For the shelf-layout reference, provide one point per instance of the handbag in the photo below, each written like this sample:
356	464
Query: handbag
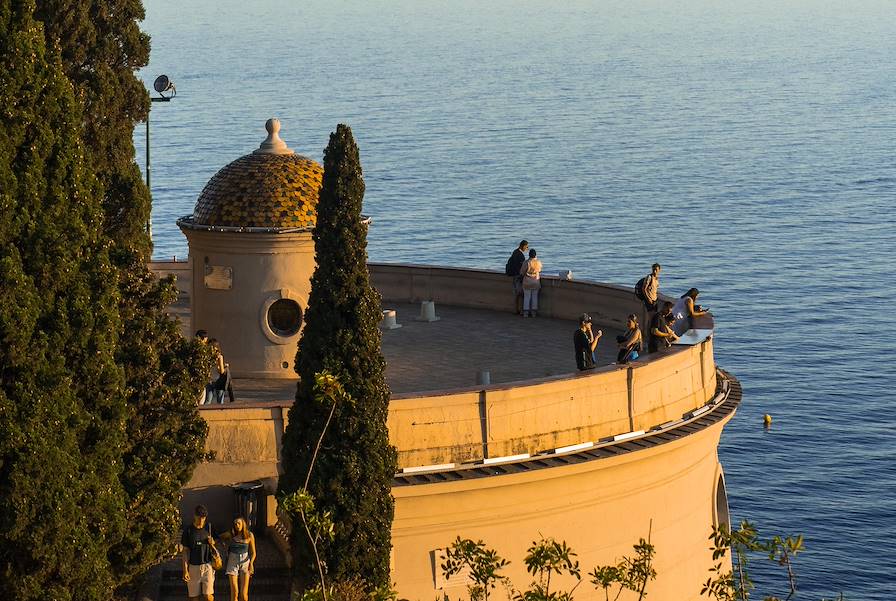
217	562
221	382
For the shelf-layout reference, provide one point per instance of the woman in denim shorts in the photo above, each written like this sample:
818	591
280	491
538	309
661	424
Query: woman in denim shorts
240	559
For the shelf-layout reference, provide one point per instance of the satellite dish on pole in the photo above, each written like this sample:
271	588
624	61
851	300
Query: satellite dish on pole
162	84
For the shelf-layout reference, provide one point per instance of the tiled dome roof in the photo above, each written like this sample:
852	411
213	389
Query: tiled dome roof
270	188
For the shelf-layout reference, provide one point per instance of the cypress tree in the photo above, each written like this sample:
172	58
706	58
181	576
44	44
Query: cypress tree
353	474
62	405
102	47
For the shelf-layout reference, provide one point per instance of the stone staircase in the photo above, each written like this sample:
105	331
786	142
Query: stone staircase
268	584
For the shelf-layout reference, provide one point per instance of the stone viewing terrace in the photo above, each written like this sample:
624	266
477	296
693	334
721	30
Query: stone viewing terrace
536	400
449	353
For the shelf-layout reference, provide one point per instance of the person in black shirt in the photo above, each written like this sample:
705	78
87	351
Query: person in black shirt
513	267
585	342
661	334
199	546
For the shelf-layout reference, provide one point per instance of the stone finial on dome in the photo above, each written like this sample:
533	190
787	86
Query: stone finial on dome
273	144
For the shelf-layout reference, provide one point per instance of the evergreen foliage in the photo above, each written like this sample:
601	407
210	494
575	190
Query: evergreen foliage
62	406
353	475
165	434
102	47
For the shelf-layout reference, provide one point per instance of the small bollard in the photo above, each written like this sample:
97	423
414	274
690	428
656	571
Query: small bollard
390	320
483	377
428	311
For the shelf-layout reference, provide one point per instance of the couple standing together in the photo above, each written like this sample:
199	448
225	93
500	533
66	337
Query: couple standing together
201	558
526	274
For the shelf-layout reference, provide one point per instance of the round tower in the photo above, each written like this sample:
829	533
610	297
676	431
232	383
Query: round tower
253	256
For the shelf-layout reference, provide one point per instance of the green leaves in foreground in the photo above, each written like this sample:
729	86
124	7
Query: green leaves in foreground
737	584
546	559
481	563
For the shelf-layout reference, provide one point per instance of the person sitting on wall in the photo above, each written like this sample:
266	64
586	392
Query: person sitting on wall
629	342
685	310
199	548
217	384
585	342
512	269
661	333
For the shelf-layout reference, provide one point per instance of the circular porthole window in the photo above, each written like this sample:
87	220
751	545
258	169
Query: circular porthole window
285	317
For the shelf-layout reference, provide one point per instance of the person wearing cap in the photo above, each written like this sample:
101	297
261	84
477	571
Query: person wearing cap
199	546
585	342
685	310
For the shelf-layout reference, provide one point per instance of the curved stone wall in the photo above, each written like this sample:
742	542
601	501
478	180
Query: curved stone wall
608	304
600	508
467	425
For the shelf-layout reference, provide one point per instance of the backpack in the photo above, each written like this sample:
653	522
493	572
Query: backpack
639	288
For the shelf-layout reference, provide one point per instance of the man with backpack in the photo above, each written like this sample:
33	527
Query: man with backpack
648	291
648	288
512	268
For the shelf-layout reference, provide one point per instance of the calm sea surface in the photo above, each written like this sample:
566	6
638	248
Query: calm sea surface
747	147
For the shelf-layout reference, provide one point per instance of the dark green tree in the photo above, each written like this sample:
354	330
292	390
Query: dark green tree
165	434
62	407
102	47
353	474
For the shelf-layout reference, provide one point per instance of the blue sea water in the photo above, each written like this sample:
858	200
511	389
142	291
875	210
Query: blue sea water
747	147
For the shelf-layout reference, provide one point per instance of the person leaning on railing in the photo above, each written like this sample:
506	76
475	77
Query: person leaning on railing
512	269
685	310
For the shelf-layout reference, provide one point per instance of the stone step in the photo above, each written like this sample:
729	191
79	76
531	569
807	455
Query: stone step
267	584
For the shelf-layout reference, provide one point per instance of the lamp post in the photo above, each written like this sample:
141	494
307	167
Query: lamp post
161	85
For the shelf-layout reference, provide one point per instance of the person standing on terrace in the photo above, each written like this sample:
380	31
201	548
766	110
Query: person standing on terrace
629	342
661	333
512	269
648	288
585	343
531	272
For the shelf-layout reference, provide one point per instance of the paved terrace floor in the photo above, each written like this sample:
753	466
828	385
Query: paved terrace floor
429	356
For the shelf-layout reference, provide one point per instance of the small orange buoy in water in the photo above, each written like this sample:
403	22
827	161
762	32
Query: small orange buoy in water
767	420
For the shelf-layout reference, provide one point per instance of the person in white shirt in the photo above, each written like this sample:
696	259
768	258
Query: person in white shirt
531	272
685	310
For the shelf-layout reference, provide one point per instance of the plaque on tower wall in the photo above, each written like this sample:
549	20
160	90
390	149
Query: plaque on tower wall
218	277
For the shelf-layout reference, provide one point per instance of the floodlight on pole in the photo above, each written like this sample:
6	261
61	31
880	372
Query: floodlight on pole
161	85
